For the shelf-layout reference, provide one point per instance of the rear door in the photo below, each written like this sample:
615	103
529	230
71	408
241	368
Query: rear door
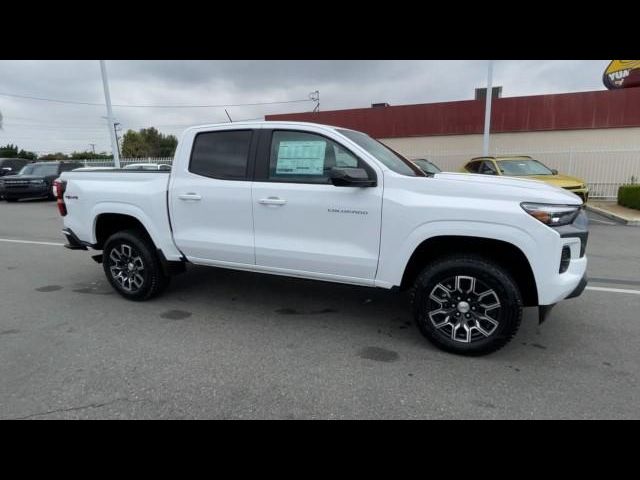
210	198
302	222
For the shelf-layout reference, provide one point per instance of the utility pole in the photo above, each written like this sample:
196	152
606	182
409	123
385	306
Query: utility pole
93	147
110	120
315	97
115	129
487	110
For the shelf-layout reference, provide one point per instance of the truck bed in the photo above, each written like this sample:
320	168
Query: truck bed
139	193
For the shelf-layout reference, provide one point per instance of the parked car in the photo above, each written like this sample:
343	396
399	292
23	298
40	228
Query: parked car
525	166
269	197
147	166
34	180
427	166
10	166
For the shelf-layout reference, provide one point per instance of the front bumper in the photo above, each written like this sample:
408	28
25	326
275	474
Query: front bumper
583	193
556	286
544	310
580	288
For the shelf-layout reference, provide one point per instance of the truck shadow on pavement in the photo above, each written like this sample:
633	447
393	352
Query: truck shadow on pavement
277	300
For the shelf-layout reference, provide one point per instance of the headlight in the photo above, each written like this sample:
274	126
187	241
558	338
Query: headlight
36	182
552	215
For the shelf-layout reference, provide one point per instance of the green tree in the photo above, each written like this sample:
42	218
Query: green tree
9	151
28	155
54	156
148	142
90	156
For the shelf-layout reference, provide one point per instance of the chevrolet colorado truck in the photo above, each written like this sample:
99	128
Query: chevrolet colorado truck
332	204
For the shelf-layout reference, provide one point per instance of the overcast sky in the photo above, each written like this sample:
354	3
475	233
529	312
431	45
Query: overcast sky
48	127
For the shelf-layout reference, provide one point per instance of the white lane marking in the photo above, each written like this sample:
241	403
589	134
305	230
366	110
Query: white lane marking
613	290
10	240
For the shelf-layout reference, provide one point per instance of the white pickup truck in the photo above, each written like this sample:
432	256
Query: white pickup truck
327	203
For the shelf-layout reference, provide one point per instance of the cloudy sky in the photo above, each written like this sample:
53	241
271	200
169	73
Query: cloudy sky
45	127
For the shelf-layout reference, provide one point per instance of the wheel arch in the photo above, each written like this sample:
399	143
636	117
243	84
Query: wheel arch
507	255
106	224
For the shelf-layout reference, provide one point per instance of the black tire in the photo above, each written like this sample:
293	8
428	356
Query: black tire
459	322
138	275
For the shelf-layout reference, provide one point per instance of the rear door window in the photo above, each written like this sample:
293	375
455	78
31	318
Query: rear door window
222	154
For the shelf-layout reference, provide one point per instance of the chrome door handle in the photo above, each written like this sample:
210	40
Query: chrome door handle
189	196
272	201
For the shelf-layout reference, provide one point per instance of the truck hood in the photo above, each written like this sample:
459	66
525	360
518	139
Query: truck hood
499	187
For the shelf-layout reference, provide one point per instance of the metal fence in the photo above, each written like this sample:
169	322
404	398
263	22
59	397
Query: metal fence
604	169
127	161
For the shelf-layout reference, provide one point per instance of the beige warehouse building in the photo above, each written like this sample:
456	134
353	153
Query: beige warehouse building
593	135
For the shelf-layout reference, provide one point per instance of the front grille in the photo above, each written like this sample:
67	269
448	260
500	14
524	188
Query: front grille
16	182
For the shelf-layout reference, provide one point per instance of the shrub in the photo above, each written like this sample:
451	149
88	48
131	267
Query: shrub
629	196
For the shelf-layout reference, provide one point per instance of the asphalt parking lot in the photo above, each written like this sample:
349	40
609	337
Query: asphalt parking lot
225	344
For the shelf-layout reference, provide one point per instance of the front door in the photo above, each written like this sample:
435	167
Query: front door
302	222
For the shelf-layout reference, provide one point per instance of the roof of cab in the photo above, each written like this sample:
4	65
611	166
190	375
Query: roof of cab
266	122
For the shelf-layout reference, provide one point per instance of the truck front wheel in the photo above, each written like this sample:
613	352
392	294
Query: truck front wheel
132	265
467	305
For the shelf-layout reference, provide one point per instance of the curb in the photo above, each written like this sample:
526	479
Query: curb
613	216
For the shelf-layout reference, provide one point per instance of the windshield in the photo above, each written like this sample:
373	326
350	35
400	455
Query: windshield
41	169
427	166
523	167
384	154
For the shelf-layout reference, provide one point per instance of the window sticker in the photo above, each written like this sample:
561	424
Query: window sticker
300	158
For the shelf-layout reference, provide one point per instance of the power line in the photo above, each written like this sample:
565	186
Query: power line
94	104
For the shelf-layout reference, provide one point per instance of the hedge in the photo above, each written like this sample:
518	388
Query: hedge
629	196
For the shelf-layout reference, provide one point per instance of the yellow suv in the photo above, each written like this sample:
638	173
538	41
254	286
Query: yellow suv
525	166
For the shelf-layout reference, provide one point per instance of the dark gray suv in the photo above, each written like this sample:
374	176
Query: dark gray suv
34	180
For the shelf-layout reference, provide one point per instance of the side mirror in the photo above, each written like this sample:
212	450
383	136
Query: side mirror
554	171
350	177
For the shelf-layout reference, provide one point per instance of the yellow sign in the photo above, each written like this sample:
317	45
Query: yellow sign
622	74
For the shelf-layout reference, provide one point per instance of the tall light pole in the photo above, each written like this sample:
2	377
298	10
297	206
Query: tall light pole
487	110
110	120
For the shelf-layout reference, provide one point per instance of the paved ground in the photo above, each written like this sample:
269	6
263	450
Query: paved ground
223	344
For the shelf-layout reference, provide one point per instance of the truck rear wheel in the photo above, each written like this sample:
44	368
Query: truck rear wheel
132	266
467	305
